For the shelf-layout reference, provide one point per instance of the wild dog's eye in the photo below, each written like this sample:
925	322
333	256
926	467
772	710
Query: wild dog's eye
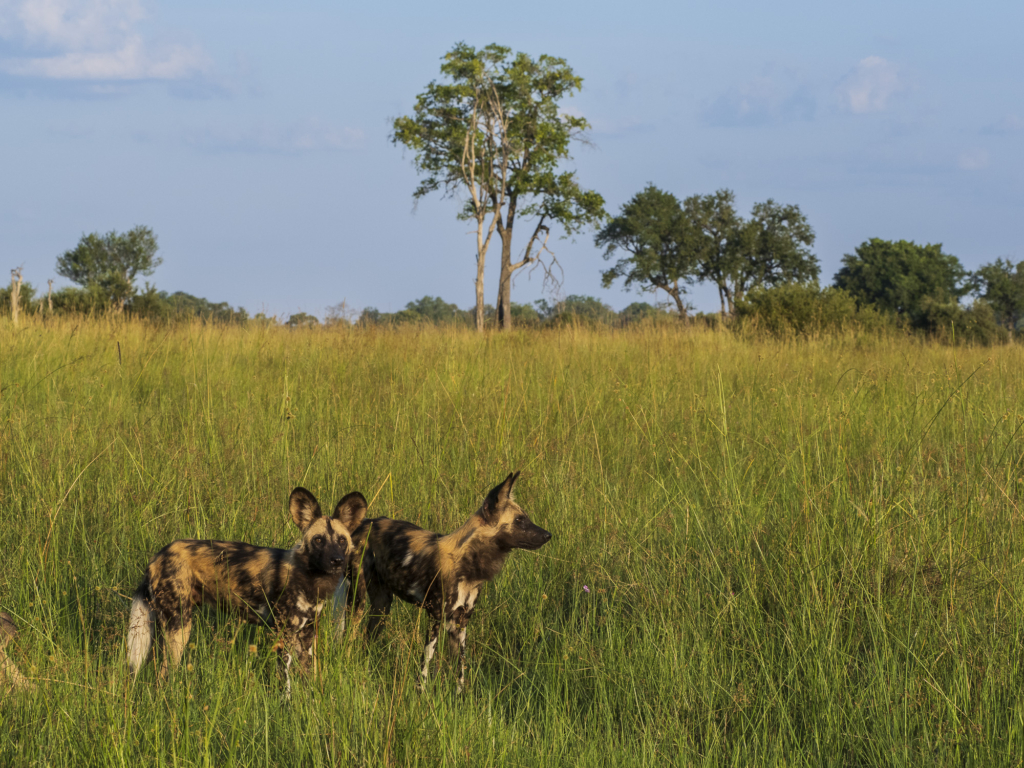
521	521
318	540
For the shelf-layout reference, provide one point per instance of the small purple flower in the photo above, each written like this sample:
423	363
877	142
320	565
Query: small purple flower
586	589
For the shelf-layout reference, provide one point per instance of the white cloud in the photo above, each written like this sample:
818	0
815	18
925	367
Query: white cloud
870	86
304	136
973	160
91	40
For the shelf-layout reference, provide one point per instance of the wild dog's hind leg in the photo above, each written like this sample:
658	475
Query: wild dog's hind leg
177	629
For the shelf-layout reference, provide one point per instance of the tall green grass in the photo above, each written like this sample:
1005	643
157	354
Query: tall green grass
796	553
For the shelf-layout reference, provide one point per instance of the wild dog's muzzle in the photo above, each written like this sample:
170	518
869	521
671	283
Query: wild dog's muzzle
534	537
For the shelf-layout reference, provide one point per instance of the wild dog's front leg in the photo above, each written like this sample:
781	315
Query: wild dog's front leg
306	643
296	646
380	602
428	652
457	634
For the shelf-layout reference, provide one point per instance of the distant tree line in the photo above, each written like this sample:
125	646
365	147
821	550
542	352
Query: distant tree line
494	134
105	268
585	310
767	277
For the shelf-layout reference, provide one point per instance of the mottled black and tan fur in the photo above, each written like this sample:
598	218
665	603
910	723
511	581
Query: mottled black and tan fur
8	670
443	574
280	588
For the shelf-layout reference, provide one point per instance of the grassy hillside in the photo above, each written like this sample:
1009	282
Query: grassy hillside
806	553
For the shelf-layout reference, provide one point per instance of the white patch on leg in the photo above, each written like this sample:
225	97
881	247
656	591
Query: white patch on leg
302	604
407	560
428	654
287	676
466	596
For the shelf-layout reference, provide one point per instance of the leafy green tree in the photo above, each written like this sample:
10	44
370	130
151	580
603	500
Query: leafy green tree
435	309
639	311
524	314
109	263
898	276
715	217
774	249
1001	284
737	255
585	308
663	245
302	320
494	133
160	305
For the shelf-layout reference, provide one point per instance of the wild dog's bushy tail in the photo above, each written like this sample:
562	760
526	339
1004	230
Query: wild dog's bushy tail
140	628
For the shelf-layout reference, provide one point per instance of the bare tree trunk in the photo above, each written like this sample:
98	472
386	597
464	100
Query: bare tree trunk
49	296
480	292
677	295
505	282
15	294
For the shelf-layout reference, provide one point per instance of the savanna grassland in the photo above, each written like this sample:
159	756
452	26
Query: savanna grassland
765	552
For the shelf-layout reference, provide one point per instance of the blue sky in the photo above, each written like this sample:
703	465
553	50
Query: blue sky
253	137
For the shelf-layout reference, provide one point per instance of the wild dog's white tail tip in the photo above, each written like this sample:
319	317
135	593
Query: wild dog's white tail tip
140	631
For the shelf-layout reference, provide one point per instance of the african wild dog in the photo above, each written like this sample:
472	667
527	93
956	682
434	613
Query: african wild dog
442	574
8	669
283	588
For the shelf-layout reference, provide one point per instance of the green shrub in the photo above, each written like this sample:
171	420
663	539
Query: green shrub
951	323
806	309
576	309
641	311
79	301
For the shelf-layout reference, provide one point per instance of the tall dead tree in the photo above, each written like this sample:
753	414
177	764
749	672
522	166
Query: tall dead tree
15	294
494	135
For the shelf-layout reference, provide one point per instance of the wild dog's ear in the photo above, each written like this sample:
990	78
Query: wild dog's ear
497	498
304	508
351	510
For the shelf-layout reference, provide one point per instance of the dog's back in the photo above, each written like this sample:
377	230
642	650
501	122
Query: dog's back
232	574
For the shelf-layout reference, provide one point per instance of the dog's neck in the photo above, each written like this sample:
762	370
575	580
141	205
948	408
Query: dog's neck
473	550
306	579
